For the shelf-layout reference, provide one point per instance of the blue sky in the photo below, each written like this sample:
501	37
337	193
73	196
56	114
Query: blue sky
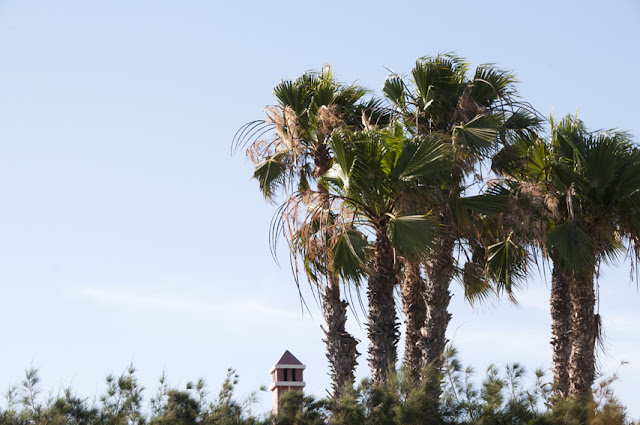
129	233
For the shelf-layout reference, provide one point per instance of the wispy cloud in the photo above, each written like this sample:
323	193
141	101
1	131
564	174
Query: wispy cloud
176	302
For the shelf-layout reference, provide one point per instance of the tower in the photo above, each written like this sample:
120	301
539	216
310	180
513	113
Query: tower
286	375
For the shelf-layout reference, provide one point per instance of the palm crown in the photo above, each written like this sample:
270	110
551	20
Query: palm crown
308	110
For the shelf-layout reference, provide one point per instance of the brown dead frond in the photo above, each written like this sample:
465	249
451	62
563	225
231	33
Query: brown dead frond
467	109
328	118
286	126
551	204
527	207
262	149
274	115
530	190
311	222
283	125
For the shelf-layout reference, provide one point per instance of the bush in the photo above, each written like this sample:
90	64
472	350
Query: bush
122	404
506	396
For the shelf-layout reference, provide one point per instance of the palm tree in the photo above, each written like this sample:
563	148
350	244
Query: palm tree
597	175
474	115
373	172
526	165
584	189
309	108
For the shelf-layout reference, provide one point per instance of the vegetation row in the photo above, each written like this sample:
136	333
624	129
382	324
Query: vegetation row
507	395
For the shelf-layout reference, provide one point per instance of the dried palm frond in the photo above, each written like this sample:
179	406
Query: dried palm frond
285	122
328	118
467	109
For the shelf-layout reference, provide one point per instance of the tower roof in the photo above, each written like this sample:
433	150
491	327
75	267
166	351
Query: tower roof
288	359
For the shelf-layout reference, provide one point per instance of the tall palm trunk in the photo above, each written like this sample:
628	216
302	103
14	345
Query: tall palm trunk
560	330
584	332
382	328
415	312
439	274
341	346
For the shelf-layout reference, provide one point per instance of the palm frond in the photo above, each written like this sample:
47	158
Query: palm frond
477	288
271	174
422	158
349	256
493	201
413	236
491	84
394	90
523	120
506	264
249	133
572	246
478	135
293	95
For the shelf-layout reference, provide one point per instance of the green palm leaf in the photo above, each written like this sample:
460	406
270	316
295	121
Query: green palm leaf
603	159
493	201
629	182
339	173
491	84
412	236
294	95
572	246
422	159
479	134
349	255
394	90
506	264
523	120
270	174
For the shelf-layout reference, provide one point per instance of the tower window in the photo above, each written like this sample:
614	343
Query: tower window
293	375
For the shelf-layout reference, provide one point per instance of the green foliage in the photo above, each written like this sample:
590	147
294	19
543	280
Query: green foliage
122	403
296	408
505	396
410	234
346	410
502	398
374	170
181	409
606	408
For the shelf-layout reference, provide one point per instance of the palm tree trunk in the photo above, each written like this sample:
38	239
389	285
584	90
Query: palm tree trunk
382	328
560	330
415	312
584	332
341	346
439	274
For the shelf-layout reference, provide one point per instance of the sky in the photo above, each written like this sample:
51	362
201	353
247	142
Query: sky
129	234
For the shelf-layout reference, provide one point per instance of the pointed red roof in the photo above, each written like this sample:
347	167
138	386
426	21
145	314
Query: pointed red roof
288	359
